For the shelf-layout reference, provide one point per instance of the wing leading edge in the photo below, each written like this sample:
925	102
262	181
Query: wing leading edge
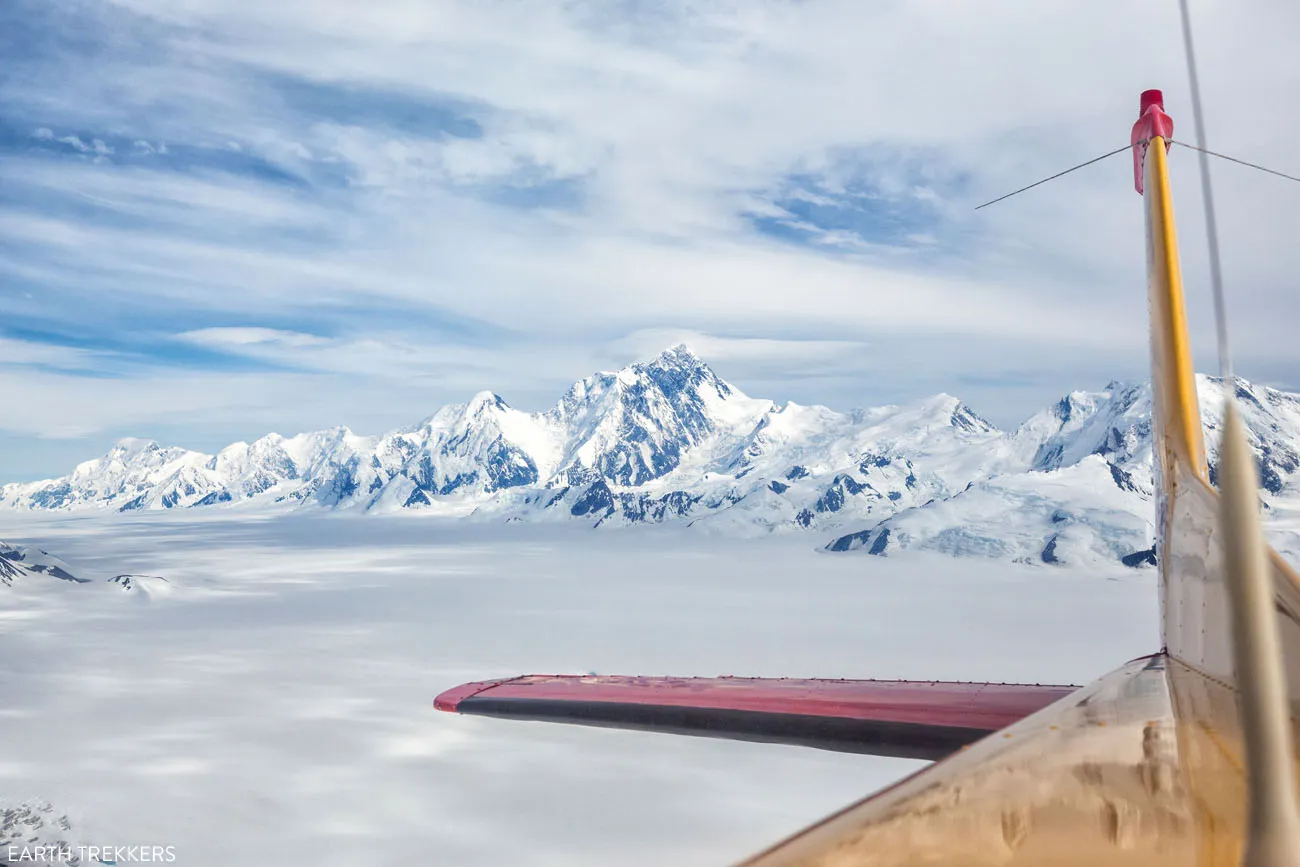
903	719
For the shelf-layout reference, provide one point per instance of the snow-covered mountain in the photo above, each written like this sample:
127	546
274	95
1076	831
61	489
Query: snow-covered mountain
1086	486
668	440
22	561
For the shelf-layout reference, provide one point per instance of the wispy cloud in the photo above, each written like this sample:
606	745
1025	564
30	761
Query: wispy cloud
524	193
250	337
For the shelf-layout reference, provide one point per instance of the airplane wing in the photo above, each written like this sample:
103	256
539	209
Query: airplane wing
904	719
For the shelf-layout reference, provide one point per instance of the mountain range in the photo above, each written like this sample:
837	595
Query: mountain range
667	440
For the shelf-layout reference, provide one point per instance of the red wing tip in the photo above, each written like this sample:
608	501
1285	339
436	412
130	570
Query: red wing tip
450	700
631	689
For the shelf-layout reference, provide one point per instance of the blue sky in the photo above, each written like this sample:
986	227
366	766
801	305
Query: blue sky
224	217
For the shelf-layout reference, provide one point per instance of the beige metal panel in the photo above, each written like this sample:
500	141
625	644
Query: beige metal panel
1091	780
1143	767
1198	632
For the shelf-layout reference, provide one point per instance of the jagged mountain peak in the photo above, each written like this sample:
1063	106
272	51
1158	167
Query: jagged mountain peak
485	401
1114	422
678	369
636	425
1271	417
482	408
674	370
131	446
241	449
332	434
126	452
679	357
681	351
945	410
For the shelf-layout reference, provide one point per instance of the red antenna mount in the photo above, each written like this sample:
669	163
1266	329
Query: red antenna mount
1152	121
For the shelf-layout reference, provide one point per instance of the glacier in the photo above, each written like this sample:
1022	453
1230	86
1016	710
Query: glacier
667	440
276	707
